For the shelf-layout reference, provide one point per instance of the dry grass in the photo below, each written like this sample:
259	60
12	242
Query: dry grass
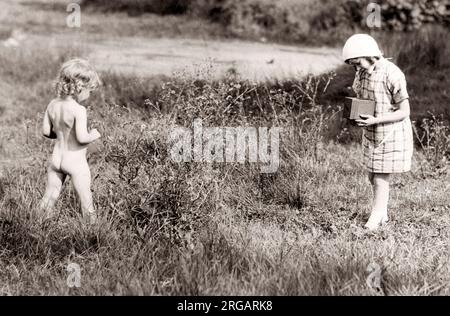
221	229
49	17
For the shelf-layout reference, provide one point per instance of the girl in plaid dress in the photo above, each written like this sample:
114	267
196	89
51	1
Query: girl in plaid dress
387	135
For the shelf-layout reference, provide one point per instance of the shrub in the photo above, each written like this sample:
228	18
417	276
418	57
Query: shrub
433	135
305	21
276	20
302	21
403	15
141	6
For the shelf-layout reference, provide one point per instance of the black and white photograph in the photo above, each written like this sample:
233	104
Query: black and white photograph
224	152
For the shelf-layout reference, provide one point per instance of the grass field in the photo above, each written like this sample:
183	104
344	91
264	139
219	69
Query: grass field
222	228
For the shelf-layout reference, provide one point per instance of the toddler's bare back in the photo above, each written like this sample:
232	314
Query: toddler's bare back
68	122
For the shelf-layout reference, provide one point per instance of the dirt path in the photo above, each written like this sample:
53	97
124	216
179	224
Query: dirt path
251	60
201	58
150	56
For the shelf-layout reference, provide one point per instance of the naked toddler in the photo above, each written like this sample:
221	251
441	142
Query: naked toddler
65	120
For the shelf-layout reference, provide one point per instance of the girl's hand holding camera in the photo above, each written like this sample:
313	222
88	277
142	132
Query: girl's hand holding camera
366	120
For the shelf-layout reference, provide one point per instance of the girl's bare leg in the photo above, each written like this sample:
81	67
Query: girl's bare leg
82	183
55	182
380	182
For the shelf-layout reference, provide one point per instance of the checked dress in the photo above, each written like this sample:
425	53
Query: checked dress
387	147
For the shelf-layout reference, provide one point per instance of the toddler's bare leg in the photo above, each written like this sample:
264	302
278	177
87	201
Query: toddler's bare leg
380	200
55	181
82	183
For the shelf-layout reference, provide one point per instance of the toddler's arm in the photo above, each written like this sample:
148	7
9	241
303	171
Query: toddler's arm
47	128
82	134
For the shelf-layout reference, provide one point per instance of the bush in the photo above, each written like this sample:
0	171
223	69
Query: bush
141	6
303	21
433	135
306	21
275	20
408	15
429	48
398	15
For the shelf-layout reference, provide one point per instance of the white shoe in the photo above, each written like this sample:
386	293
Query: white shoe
376	220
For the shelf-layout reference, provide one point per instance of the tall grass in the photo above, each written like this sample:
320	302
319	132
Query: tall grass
427	48
209	228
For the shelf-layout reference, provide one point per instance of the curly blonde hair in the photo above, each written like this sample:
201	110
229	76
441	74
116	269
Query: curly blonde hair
75	75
